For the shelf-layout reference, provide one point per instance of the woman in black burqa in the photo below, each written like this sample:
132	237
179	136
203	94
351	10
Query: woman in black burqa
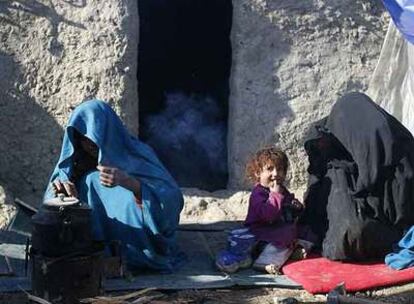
360	198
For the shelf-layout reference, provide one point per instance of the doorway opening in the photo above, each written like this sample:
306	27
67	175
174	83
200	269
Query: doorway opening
184	60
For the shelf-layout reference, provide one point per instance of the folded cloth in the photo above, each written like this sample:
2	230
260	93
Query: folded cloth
272	258
403	255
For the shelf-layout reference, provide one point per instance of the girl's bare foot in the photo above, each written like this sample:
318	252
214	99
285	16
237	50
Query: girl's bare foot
269	268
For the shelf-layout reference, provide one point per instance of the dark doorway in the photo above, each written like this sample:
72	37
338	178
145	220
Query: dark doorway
183	80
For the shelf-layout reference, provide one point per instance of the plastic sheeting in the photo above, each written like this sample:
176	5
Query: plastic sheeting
402	12
392	84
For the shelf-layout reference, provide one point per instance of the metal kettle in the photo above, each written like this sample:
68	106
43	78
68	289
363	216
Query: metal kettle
62	226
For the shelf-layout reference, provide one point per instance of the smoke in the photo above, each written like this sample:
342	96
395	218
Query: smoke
189	136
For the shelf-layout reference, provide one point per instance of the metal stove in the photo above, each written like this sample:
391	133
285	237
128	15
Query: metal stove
67	265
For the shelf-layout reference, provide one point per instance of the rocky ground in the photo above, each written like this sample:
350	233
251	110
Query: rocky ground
397	295
7	209
227	205
206	207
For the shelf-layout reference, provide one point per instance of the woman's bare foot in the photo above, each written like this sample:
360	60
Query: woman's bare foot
299	253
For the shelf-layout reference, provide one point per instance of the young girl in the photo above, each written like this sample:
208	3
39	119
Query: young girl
272	212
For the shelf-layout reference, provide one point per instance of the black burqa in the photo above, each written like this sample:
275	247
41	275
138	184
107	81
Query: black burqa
360	198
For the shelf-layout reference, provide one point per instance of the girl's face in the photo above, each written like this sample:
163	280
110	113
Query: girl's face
269	174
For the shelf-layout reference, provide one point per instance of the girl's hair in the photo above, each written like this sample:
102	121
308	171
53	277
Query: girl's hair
264	156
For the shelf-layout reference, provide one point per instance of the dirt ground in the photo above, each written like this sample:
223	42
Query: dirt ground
403	294
230	206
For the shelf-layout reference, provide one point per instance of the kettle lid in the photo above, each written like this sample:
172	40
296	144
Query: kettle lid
61	201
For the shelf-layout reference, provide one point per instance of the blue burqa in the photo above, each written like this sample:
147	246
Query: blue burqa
147	234
402	13
403	255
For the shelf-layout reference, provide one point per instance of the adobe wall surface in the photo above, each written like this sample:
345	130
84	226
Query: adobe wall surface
291	61
53	55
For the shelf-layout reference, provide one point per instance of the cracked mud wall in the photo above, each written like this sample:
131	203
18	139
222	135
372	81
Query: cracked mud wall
53	55
291	62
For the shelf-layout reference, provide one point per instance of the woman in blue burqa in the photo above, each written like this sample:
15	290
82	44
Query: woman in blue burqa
132	196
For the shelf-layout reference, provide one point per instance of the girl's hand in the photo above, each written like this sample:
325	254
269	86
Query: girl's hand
68	188
276	187
110	176
297	205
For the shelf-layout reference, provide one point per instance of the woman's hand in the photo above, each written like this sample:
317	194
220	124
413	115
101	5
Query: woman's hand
110	176
68	188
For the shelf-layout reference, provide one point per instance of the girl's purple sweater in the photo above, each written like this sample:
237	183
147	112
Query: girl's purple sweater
264	217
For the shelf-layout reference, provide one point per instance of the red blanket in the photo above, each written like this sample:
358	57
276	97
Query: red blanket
320	275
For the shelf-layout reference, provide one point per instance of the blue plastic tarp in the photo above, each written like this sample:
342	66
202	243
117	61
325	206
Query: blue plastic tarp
402	13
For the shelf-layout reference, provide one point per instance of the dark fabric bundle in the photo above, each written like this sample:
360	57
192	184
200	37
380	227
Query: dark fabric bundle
360	198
